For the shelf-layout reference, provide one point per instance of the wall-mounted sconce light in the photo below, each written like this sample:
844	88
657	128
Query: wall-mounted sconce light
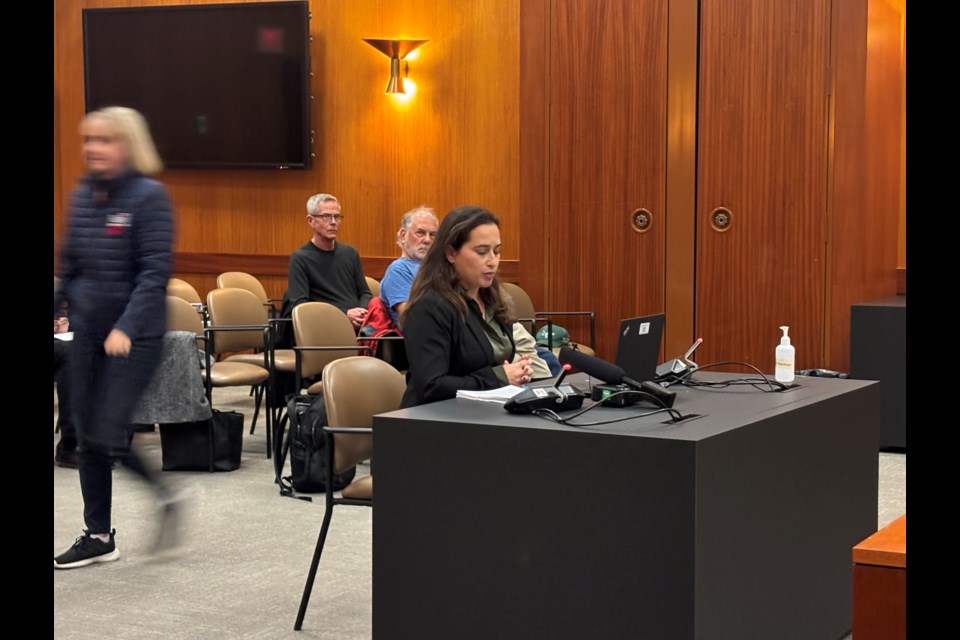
396	50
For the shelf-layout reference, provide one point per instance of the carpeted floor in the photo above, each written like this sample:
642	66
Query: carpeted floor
246	552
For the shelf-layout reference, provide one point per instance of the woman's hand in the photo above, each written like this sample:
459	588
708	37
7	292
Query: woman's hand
117	344
519	372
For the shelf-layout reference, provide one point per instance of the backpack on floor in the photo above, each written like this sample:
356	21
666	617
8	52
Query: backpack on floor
307	416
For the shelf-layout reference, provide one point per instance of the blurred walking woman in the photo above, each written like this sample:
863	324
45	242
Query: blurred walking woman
114	266
457	329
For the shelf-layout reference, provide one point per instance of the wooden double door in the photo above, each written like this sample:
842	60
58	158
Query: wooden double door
685	149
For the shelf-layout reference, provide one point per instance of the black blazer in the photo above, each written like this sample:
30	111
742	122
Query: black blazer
445	353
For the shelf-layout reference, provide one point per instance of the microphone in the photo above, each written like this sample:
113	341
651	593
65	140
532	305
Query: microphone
563	374
596	368
613	375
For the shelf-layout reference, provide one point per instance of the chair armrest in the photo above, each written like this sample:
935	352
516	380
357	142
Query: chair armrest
237	327
240	327
352	347
544	314
348	430
297	350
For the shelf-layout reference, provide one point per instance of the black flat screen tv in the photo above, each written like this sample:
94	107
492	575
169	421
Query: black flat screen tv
221	85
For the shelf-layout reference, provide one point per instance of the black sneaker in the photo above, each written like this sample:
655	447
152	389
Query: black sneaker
87	550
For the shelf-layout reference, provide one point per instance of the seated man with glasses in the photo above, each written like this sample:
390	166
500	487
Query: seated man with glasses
324	270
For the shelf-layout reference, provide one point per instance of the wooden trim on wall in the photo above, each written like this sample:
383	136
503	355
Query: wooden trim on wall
680	272
534	149
273	265
902	281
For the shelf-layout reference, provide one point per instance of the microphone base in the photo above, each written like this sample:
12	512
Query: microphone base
566	398
605	395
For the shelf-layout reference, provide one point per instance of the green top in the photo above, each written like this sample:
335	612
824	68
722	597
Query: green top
500	341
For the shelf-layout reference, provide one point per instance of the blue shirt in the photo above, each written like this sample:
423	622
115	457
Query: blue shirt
396	283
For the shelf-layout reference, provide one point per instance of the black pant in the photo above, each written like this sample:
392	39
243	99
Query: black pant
105	393
65	422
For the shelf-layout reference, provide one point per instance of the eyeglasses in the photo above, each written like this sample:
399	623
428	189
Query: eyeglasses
328	217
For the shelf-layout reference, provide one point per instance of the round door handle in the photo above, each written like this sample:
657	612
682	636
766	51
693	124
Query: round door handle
641	220
720	219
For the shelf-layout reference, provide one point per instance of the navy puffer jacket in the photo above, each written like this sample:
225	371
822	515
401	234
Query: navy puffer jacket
117	257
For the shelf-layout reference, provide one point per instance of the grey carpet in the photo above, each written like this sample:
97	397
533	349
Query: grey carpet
245	556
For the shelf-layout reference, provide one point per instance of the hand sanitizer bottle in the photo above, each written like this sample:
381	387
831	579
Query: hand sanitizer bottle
785	358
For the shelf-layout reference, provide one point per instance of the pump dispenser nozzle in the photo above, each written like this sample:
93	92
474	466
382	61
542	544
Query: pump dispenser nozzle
785	339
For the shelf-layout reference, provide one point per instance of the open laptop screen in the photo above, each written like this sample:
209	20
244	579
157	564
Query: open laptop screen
638	346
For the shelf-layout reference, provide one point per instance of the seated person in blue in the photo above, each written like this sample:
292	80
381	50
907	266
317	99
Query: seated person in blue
459	333
418	228
324	270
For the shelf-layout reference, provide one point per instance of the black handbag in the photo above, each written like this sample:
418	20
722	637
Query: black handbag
208	445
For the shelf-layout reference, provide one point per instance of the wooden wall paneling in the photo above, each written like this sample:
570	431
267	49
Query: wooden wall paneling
57	188
863	223
902	240
534	152
846	262
454	143
681	185
607	158
902	243
762	155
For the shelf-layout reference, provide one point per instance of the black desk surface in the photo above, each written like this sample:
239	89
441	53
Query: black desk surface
719	410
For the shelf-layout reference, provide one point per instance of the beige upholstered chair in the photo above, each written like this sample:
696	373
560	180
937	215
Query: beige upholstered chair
183	289
243	280
238	323
374	286
183	316
281	360
355	389
322	333
532	319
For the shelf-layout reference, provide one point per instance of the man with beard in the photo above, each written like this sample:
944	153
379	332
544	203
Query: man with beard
418	228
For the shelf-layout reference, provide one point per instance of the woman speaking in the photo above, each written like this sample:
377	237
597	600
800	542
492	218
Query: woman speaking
456	325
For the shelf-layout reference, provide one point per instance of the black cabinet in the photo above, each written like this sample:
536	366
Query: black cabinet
878	351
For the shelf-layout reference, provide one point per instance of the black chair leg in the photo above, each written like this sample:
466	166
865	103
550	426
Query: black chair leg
271	422
257	393
313	568
279	460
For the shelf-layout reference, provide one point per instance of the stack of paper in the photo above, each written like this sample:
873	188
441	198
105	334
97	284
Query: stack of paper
499	396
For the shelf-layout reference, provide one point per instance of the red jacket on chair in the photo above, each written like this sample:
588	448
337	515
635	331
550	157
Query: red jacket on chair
379	324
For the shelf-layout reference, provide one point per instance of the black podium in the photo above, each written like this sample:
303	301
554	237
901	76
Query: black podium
878	351
736	525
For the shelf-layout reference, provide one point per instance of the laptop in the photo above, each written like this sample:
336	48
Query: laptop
638	346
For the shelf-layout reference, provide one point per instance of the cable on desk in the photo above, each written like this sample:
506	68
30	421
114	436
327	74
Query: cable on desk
549	414
773	385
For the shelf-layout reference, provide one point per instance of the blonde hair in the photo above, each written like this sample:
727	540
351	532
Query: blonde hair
132	127
314	202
